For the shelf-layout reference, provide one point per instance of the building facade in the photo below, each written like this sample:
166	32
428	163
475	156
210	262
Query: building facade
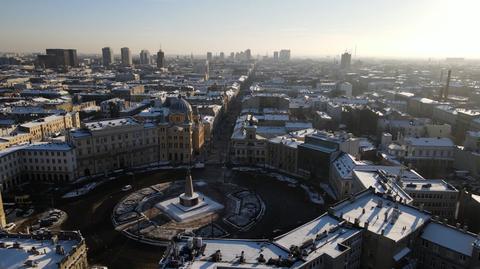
108	145
44	162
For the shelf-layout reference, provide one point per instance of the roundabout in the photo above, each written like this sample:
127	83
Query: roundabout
158	213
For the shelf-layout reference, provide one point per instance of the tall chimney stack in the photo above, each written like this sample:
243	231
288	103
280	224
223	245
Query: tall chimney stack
445	93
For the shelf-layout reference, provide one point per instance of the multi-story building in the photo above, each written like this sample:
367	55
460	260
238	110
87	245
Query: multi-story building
340	177
434	195
145	57
126	56
45	162
428	155
346	60
468	157
465	118
370	229
160	59
247	146
319	151
390	228
282	154
443	246
45	127
322	243
107	145
107	56
445	114
421	107
62	250
284	55
56	58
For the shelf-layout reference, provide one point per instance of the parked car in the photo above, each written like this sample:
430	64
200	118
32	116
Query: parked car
127	187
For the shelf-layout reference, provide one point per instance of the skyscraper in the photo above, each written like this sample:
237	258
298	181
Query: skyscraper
161	59
284	55
144	57
222	56
275	56
126	56
209	56
55	58
248	54
107	56
346	60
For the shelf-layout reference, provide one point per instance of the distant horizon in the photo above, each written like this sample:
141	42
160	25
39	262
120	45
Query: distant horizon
254	55
409	29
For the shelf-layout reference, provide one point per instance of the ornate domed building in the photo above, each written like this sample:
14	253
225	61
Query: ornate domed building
182	136
180	110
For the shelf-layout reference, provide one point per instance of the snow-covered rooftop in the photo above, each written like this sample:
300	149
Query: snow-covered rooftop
13	258
450	238
100	125
429	142
427	185
231	250
384	216
345	164
382	183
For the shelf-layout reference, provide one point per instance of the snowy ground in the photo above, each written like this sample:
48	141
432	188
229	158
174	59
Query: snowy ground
314	197
81	191
328	190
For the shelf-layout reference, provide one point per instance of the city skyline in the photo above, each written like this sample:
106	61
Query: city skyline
410	29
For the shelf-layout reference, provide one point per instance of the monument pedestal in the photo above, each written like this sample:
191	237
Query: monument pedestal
179	212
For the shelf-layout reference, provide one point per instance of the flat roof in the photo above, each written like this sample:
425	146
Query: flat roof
112	123
231	250
12	258
381	184
430	141
450	238
42	121
384	216
427	185
324	234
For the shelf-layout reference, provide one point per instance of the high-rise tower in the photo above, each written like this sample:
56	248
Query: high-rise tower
107	56
126	57
345	60
145	57
160	59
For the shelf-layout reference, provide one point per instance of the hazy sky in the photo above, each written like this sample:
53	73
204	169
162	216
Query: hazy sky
398	28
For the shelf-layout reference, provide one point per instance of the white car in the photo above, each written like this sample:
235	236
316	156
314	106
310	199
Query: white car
127	187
